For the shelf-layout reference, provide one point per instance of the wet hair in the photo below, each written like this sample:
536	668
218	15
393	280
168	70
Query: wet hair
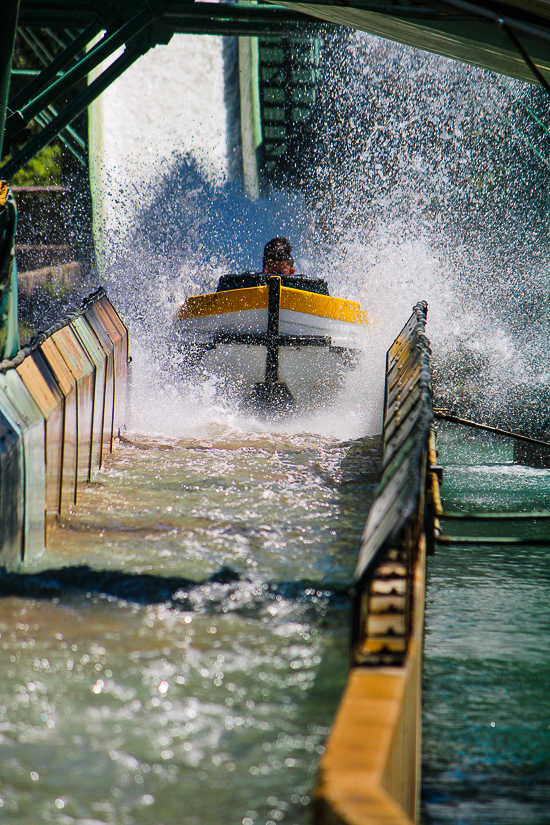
278	249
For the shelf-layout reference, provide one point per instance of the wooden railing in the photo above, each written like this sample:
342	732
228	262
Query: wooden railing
370	772
62	401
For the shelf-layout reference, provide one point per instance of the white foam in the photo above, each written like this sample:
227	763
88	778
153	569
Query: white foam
392	225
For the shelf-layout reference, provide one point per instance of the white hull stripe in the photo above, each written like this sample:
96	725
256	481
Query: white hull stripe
290	323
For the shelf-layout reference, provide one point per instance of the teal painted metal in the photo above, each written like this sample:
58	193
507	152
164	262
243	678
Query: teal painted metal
8	25
42	51
18	404
288	76
9	331
103	50
67	136
11	492
40	79
71	111
241	28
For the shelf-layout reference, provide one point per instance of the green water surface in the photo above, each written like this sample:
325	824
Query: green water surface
486	746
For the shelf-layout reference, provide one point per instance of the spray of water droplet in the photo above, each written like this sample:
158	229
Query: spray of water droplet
410	184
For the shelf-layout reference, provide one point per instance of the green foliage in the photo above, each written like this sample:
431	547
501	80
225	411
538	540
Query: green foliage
42	170
26	332
54	289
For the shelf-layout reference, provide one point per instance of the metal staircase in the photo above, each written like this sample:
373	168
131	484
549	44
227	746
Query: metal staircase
288	76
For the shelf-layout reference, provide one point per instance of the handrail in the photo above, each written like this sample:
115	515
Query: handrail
466	422
370	771
390	539
40	337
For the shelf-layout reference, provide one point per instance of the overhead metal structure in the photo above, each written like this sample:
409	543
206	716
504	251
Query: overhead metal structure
136	29
511	37
8	24
495	35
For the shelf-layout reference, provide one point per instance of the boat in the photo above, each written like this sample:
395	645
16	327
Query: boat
278	342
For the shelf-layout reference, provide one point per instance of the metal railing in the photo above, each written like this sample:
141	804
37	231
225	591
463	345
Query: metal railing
383	602
40	337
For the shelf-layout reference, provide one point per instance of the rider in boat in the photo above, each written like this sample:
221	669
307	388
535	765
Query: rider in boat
278	258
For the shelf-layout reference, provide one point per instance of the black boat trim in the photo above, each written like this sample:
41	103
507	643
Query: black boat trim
272	337
261	339
246	280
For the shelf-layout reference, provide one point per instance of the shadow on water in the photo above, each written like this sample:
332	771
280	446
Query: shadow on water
207	225
223	589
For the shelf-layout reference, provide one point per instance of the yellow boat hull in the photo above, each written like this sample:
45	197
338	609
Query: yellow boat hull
305	340
300	313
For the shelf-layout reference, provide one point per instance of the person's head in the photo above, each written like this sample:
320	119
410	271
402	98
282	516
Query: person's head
278	258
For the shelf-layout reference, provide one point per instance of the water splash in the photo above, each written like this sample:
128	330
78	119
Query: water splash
429	181
418	179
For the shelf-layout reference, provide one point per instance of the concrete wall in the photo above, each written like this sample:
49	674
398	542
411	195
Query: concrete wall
62	402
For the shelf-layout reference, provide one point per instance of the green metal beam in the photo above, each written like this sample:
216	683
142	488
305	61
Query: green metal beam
72	110
198	18
9	336
68	139
242	28
175	11
234	11
110	43
10	11
192	18
57	65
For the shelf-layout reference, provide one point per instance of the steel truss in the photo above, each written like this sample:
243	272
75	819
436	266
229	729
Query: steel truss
94	32
519	38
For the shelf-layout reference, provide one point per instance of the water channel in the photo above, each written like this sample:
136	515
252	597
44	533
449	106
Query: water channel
179	653
186	664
